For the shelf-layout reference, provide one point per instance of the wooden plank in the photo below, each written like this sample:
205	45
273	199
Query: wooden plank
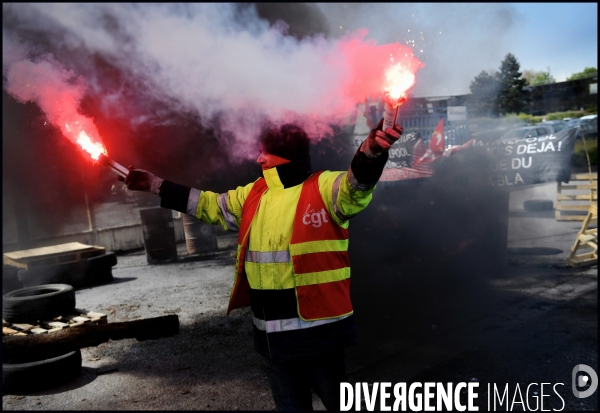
55	324
88	335
572	207
587	186
22	327
38	330
560	217
46	251
575	197
587	237
584	176
584	257
72	318
81	319
53	255
54	330
97	317
93	314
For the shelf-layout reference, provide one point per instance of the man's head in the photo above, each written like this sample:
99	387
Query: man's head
283	144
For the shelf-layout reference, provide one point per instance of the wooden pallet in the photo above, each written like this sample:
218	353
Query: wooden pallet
573	199
585	249
78	318
53	255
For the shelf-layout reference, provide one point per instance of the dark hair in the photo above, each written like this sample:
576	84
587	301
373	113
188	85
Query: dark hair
288	141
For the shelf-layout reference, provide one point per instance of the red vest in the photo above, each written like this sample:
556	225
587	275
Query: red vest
321	268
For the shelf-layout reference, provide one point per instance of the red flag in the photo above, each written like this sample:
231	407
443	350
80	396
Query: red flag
436	143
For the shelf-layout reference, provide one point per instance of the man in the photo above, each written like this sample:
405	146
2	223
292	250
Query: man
292	262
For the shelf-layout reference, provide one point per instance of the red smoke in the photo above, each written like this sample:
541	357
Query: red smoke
58	93
367	64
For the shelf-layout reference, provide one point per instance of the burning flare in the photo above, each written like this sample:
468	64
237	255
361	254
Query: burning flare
398	79
75	132
95	149
82	131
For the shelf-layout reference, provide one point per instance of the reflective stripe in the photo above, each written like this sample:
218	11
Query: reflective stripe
311	278
274	326
268	257
357	186
229	218
334	196
319	246
193	200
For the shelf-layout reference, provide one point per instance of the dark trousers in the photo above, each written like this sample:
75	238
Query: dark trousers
292	382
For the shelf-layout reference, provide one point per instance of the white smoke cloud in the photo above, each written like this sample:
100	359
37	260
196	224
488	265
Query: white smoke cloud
221	60
210	58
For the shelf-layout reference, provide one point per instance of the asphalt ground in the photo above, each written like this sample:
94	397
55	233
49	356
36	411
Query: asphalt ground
530	323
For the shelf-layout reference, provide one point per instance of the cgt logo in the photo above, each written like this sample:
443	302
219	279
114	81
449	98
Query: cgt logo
581	381
316	219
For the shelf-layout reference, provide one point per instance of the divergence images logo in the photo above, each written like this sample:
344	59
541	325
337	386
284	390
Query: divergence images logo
583	380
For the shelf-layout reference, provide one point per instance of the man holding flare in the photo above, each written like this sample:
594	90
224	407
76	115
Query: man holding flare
292	266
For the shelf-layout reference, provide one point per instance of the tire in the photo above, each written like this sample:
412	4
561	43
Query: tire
22	378
41	302
78	274
52	274
98	271
94	276
538	205
107	260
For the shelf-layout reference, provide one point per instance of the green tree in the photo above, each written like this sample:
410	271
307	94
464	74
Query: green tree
513	97
529	75
543	78
484	89
536	78
587	72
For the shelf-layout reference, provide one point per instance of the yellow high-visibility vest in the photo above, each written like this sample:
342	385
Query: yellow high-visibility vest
318	250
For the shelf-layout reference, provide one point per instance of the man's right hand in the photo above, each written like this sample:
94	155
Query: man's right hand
141	180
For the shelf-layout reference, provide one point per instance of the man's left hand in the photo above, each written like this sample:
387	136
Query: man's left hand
380	141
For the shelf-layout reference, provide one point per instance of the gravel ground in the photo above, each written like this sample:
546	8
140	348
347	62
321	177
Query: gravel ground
209	365
469	325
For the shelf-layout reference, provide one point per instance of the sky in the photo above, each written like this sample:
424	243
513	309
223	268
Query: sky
227	61
559	36
456	41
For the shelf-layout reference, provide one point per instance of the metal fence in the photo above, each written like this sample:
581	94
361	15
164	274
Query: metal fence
23	227
110	218
424	121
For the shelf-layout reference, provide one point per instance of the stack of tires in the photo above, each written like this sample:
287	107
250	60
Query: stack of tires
83	273
30	305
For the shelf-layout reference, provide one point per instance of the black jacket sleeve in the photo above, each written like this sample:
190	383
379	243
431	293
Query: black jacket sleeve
367	171
174	196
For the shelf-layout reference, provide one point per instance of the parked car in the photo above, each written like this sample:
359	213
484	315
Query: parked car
556	125
583	119
528	132
589	118
589	130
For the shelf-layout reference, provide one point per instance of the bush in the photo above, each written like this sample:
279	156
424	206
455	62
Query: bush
567	114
